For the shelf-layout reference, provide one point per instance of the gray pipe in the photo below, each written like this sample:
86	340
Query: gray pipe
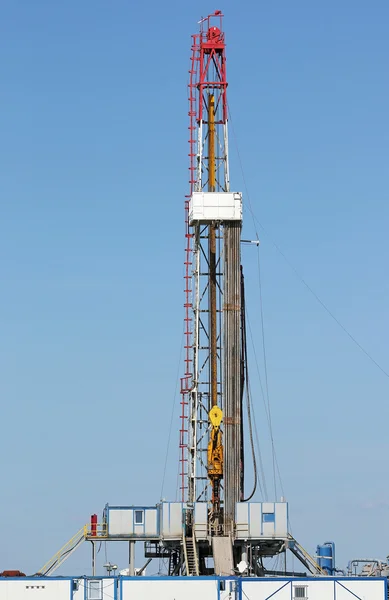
356	561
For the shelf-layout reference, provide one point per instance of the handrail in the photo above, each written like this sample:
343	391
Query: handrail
309	561
100	530
195	554
185	554
64	552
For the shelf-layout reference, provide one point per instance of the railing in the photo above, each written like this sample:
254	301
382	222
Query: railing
90	531
307	560
196	558
64	553
96	530
185	556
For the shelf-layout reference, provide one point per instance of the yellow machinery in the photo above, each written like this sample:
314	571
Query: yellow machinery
215	445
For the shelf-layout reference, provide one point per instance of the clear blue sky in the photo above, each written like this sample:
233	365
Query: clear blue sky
93	157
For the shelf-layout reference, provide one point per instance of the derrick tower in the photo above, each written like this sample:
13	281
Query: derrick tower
210	436
213	529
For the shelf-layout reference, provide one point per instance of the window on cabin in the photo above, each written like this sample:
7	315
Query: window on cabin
268	518
300	591
139	517
95	589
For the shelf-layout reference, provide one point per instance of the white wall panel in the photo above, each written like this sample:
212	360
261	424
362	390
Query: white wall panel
201	520
120	522
366	590
320	589
255	519
163	589
172	519
151	522
36	589
281	519
259	590
242	520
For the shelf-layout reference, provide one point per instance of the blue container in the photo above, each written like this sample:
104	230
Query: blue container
326	557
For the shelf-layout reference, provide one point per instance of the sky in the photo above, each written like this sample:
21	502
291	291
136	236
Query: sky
93	174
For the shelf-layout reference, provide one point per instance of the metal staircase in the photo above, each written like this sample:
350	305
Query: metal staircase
190	555
304	557
67	550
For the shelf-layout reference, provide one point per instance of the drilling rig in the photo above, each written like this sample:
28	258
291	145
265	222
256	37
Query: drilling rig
213	529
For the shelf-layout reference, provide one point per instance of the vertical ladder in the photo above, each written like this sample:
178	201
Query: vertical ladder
190	555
